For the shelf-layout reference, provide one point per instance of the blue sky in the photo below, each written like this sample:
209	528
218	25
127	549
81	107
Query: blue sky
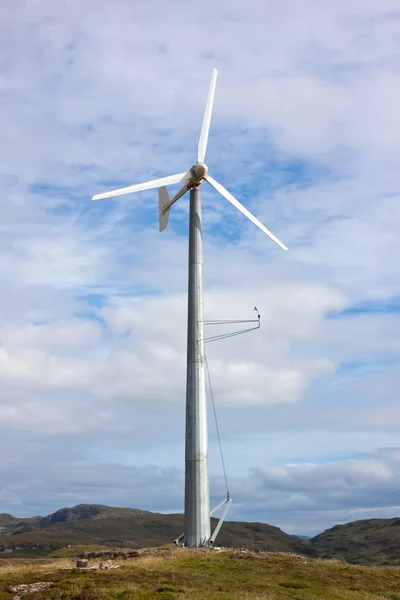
92	303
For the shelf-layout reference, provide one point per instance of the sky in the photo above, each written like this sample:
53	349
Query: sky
305	132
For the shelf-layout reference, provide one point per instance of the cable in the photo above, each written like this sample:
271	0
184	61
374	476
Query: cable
214	339
223	336
374	504
228	321
393	514
217	427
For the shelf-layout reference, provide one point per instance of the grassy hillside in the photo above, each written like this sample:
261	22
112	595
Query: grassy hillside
372	541
194	575
96	524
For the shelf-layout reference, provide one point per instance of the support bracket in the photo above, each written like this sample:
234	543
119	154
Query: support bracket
227	501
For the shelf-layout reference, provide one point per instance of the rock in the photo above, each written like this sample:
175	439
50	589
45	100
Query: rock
28	588
107	564
82	563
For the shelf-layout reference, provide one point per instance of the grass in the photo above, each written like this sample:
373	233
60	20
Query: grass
187	574
76	550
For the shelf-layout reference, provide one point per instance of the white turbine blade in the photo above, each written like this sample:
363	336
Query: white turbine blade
201	151
148	185
220	188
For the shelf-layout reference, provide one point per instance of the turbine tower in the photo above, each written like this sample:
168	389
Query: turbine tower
197	498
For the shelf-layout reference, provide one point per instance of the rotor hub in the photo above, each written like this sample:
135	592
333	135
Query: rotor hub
199	171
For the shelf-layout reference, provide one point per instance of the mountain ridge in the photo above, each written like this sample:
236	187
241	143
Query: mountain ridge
370	541
131	527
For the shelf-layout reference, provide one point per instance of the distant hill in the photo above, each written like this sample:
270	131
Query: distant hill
373	541
127	527
368	542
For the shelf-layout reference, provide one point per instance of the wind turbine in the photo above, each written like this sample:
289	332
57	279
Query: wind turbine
197	499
